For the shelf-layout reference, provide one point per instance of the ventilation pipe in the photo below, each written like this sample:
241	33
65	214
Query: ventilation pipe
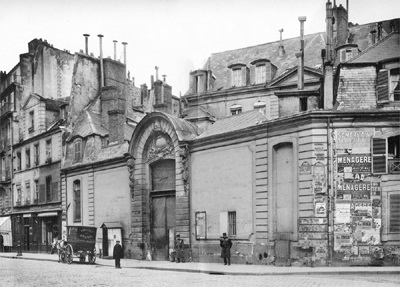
86	43
115	49
156	72
328	67
124	43
329	31
300	69
281	50
101	61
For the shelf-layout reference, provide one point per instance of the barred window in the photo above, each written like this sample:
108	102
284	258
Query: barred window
232	222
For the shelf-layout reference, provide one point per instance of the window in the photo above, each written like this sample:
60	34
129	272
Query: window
261	107
394	212
48	189
2	198
104	142
78	150
261	74
31	121
303	104
28	158
48	151
36	154
19	160
386	155
236	109
388	85
36	191
19	194
232	223
28	192
77	200
237	77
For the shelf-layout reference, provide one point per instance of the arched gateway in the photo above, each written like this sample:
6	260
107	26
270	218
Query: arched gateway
159	182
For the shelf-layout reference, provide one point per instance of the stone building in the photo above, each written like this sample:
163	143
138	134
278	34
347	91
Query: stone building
295	156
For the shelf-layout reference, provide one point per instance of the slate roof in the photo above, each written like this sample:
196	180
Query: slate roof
234	123
184	129
89	123
386	48
218	62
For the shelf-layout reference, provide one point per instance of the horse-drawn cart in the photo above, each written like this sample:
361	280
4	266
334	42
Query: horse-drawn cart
81	243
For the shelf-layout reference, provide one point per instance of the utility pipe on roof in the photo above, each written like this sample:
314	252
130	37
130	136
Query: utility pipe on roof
101	61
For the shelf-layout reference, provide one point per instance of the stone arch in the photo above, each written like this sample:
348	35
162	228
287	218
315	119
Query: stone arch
158	137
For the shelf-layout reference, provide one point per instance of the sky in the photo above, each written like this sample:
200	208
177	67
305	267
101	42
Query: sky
176	35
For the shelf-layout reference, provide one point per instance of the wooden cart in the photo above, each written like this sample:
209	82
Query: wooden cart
81	243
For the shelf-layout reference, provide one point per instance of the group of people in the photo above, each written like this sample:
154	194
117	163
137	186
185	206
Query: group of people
224	242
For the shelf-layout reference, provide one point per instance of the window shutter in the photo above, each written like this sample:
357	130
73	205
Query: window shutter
379	155
244	76
343	56
394	216
229	79
55	191
252	74
382	85
42	193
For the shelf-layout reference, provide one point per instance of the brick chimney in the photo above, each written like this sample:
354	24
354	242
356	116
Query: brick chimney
113	112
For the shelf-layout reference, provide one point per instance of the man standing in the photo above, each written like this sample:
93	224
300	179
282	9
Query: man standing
117	254
226	245
178	248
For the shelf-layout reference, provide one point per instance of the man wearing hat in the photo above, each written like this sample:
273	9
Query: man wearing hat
178	248
117	254
226	245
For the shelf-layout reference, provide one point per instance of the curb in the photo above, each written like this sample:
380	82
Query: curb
231	273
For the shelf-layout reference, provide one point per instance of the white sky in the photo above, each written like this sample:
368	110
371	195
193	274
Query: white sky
175	35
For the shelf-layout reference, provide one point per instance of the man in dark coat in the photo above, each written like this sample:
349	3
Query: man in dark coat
117	254
178	249
226	245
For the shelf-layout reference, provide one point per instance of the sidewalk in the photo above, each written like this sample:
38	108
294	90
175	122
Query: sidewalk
215	268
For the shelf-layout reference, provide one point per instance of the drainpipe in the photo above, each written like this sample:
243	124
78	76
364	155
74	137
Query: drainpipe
101	61
300	83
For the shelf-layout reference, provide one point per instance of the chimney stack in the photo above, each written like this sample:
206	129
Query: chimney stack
115	49
156	72
101	61
281	50
124	43
300	70
328	65
86	43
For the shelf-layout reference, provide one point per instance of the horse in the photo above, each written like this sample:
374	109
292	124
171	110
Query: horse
59	246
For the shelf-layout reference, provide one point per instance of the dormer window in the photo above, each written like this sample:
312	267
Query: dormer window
261	107
236	109
201	81
261	74
388	85
262	71
78	150
31	121
238	73
347	52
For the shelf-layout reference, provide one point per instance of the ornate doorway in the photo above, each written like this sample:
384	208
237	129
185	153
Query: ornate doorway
162	206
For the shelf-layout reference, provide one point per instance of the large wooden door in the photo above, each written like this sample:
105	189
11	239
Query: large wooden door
163	221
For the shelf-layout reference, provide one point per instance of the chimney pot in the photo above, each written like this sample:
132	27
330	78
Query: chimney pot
156	72
164	78
86	43
124	44
101	61
115	49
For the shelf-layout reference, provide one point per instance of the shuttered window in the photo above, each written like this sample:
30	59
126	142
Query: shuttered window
379	155
382	86
77	200
394	212
232	223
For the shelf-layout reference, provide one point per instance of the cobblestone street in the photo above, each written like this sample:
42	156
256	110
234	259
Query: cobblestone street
45	273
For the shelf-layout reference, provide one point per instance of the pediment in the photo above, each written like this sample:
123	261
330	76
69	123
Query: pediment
32	100
290	77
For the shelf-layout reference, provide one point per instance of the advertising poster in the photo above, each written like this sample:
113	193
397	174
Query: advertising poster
342	239
354	140
319	152
320	205
342	213
319	178
359	163
305	168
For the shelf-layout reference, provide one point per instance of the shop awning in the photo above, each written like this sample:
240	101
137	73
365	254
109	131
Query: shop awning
5	230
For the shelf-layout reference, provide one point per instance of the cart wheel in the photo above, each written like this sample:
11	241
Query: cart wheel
69	254
82	258
92	257
63	257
